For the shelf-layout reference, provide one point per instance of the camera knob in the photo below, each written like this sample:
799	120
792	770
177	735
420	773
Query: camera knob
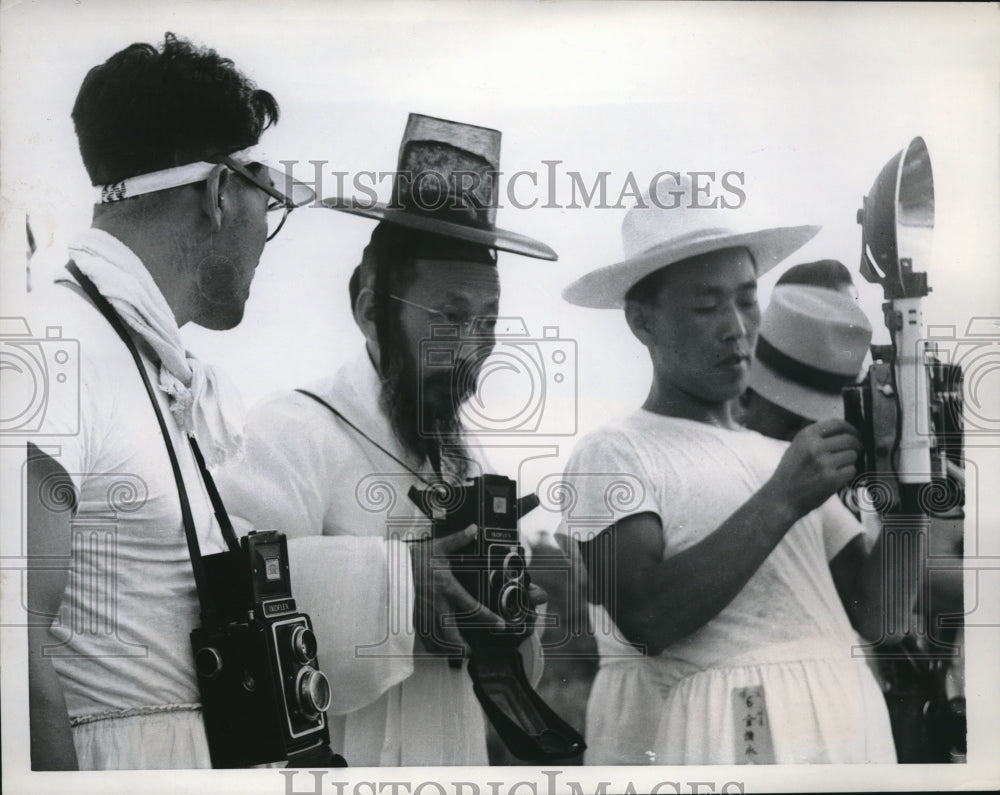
312	692
208	662
303	642
512	604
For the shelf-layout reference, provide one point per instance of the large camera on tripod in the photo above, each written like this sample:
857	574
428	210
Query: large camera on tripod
492	567
263	695
908	412
908	408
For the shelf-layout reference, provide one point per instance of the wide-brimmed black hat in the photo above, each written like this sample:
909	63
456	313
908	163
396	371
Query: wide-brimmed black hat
446	184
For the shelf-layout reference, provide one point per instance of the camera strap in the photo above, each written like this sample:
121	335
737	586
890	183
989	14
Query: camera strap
364	435
197	565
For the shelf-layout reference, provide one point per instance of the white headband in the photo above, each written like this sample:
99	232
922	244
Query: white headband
187	174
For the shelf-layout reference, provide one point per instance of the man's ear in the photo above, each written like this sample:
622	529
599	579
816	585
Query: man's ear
364	314
212	201
638	322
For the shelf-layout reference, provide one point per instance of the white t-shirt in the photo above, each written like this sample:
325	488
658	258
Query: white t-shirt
121	640
694	476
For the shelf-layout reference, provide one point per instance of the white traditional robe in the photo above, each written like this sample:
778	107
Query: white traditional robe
342	503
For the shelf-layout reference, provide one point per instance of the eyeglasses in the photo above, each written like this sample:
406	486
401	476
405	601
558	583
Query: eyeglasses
280	205
469	326
295	193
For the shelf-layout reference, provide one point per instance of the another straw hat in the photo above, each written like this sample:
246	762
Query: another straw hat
812	343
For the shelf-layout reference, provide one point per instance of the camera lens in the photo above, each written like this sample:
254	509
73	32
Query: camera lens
312	692
303	642
513	566
513	604
208	662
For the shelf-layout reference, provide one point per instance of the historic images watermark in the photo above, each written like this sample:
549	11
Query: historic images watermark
547	782
547	187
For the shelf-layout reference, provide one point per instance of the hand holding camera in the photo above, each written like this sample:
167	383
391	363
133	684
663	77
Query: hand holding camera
821	459
476	562
439	597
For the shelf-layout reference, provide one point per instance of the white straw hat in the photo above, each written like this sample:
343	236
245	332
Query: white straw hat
670	225
812	343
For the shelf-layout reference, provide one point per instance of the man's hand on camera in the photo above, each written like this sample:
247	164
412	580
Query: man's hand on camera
537	597
438	595
821	459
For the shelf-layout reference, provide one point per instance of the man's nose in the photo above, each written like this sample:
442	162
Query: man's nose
735	324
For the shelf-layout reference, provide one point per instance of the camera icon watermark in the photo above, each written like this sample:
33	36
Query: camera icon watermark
967	368
36	372
518	385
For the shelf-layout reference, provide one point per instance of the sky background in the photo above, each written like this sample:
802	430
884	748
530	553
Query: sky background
808	101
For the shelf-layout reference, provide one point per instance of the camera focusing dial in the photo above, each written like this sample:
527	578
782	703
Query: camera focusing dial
208	662
303	642
312	692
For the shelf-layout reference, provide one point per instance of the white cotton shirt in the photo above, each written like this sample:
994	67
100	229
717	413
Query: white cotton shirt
342	501
694	476
121	640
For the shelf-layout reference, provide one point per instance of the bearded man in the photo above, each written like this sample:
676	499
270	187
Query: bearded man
331	465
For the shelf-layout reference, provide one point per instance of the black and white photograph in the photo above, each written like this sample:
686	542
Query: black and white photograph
484	398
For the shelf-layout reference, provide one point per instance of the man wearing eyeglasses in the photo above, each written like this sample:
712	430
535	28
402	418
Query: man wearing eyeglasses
182	212
332	468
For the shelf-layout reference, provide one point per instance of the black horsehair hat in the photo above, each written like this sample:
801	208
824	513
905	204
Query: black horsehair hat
446	185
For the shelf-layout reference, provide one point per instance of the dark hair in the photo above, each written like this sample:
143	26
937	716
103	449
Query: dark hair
391	261
646	291
145	110
828	273
389	258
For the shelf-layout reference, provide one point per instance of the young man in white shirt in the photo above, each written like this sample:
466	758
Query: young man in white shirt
718	572
180	221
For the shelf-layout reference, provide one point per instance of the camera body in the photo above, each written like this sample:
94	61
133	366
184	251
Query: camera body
975	353
492	567
263	695
873	408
